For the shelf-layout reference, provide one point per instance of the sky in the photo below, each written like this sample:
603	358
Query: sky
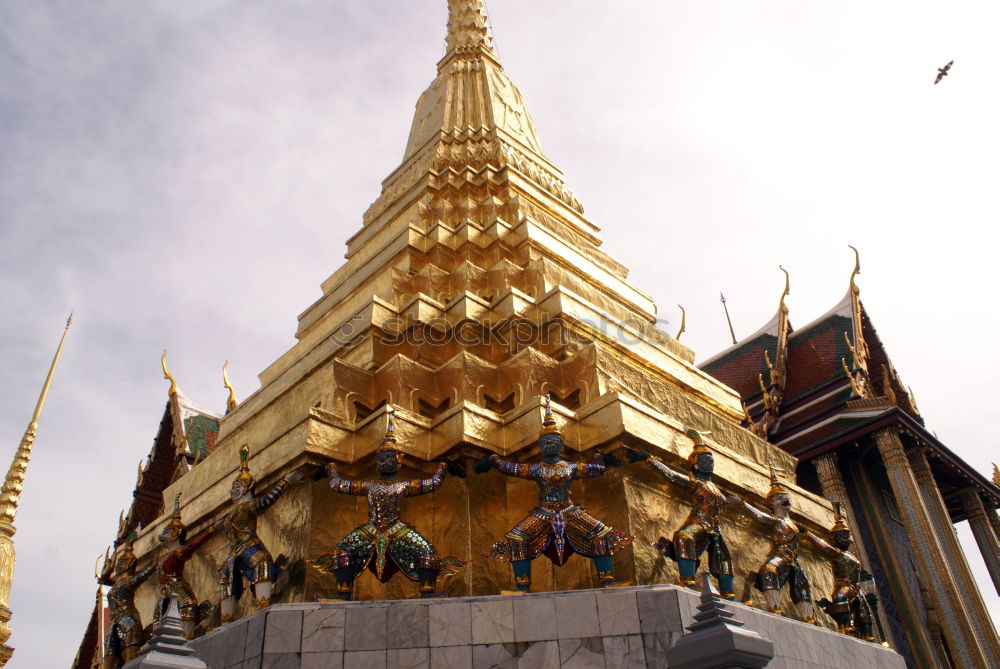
184	174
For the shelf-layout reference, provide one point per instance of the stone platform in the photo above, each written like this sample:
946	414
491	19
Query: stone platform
630	627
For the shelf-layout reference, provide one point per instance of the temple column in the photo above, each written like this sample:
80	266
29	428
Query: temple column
835	490
918	636
935	567
961	572
994	519
983	531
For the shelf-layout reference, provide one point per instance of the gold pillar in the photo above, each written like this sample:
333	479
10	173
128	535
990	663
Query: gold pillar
835	490
934	625
10	496
941	520
924	650
994	519
983	530
935	567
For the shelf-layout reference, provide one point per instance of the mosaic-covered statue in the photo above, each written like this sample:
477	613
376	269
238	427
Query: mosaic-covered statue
177	550
849	607
248	558
781	566
125	633
701	532
557	527
385	544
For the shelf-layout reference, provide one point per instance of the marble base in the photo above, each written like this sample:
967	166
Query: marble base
629	627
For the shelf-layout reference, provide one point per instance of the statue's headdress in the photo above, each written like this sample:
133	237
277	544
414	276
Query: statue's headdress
840	525
776	487
699	444
389	440
549	423
125	555
175	525
244	476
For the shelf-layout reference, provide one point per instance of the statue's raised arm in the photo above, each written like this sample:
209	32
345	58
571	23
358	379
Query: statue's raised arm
418	487
343	486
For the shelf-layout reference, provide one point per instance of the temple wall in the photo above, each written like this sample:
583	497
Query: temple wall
632	627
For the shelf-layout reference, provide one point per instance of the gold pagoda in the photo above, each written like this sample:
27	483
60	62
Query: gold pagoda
475	287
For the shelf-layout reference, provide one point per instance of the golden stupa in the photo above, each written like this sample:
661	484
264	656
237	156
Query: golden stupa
475	287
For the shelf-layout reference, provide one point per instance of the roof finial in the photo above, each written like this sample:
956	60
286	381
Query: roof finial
722	298
683	323
787	292
468	26
167	375
857	270
231	400
996	475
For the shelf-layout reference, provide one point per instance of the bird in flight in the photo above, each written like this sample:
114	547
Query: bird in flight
943	72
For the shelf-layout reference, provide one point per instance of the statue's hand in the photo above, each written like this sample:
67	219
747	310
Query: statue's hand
295	476
454	468
637	456
483	465
219	523
608	460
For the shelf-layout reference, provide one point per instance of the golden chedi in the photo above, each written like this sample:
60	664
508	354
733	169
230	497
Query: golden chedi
475	288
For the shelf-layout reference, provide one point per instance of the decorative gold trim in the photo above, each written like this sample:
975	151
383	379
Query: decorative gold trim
167	375
231	402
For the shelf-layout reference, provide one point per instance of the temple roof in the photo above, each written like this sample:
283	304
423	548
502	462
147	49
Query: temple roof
840	386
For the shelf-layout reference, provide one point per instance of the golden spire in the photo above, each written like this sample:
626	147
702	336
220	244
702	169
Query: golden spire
683	323
468	26
996	475
10	497
722	298
231	400
167	375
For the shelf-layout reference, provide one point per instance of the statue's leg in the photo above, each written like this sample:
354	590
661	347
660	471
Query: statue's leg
605	566
344	572
864	624
522	575
686	567
769	582
227	603
686	552
720	564
112	650
840	610
801	594
260	569
428	568
188	607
